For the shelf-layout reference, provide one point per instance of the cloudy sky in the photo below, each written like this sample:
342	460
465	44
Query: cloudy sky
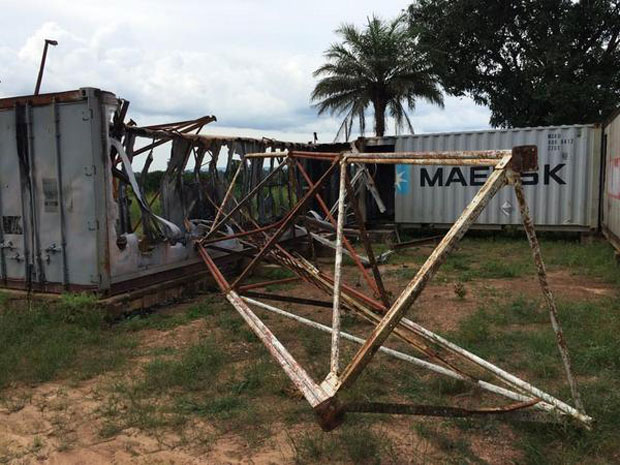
249	63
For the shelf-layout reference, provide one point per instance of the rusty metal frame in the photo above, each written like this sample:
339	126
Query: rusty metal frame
386	318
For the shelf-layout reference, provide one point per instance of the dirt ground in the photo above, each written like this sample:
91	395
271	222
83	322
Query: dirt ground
61	421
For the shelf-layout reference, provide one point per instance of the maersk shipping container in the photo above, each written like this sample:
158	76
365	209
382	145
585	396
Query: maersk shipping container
562	195
611	190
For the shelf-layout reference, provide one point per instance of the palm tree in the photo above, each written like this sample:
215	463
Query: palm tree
380	65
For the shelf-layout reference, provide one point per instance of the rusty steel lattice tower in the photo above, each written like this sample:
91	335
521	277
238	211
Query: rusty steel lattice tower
387	316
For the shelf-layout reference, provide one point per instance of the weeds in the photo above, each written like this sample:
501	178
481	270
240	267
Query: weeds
520	310
171	391
68	338
457	449
362	444
591	328
315	343
460	290
273	273
71	339
199	365
313	448
230	320
595	259
356	443
162	320
498	269
221	408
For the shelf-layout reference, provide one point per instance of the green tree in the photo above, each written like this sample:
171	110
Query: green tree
533	62
379	66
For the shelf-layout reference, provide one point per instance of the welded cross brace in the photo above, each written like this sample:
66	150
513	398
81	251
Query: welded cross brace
529	402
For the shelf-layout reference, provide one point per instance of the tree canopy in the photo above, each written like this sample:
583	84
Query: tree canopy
533	62
379	66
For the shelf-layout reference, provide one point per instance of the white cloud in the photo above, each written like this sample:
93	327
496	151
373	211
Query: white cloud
249	63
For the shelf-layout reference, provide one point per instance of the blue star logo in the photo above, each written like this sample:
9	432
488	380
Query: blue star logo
403	179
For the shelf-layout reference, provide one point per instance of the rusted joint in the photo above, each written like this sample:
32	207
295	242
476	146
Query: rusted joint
524	159
330	414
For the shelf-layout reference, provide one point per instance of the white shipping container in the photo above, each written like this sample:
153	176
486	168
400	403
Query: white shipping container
563	194
611	192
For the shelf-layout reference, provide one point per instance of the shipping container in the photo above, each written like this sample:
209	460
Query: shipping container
563	194
610	220
52	158
58	207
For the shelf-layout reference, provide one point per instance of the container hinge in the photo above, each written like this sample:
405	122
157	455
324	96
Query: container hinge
90	170
93	225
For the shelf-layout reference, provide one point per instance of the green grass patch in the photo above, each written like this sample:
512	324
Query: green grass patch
163	395
165	320
496	268
591	328
200	364
520	310
230	320
457	450
501	256
171	391
69	338
484	263
595	259
356	442
4	300
405	272
220	408
316	343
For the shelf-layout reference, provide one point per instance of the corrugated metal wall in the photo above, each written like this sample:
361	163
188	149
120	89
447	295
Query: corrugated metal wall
564	194
611	196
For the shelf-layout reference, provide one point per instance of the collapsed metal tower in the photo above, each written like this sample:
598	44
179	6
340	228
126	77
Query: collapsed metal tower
67	225
261	242
286	180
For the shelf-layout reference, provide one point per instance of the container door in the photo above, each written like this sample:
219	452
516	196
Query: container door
15	250
46	173
78	136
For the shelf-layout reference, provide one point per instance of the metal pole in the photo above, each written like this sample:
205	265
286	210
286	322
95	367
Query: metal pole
48	42
34	205
367	245
335	354
528	225
225	200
